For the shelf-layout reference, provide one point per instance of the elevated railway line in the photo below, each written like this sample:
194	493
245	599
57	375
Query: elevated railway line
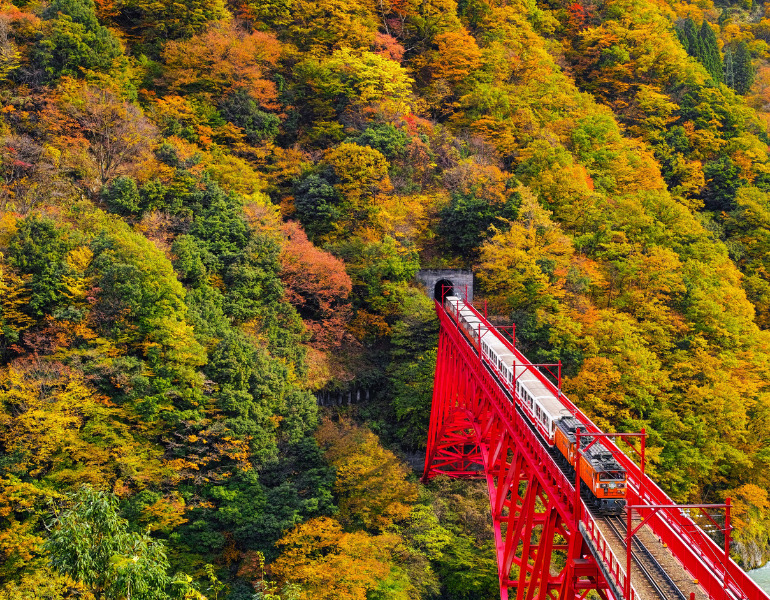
494	416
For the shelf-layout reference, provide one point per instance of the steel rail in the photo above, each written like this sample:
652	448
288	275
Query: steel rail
612	523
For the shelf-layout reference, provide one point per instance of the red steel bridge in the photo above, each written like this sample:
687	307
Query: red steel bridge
549	543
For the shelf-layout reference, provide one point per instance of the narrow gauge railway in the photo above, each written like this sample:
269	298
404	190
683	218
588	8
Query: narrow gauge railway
546	414
555	426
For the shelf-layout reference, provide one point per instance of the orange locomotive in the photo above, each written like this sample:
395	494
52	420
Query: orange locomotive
599	471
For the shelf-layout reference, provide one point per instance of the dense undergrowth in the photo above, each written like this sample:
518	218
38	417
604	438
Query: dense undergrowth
211	212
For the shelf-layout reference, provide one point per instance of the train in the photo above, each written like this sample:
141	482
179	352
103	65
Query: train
604	478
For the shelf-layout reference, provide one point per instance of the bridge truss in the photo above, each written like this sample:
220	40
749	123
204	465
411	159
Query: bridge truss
548	548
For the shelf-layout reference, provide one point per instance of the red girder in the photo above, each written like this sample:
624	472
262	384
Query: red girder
542	552
475	432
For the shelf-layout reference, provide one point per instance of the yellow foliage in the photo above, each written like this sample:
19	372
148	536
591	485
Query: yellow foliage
750	518
166	513
76	284
510	262
7	227
331	564
13	297
20	540
409	217
62	430
596	386
371	481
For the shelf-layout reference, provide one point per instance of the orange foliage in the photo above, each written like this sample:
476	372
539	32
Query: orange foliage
332	564
371	482
597	386
222	59
458	55
365	325
317	285
386	45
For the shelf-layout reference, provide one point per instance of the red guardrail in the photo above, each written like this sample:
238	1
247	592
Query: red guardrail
700	556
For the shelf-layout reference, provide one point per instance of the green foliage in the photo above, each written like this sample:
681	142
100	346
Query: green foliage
688	35
75	42
315	199
702	45
743	69
38	250
465	222
709	52
413	361
391	142
141	298
154	23
378	271
242	110
121	196
91	543
723	180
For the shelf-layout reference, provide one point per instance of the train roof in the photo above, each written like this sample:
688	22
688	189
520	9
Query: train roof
553	406
530	380
602	459
497	345
541	392
569	425
468	315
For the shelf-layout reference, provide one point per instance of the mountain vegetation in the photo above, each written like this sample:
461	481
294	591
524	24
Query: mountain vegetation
211	216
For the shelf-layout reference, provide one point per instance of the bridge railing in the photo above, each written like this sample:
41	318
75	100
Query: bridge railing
700	555
616	571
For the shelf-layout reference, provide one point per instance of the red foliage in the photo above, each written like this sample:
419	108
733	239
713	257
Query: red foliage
577	16
317	285
386	45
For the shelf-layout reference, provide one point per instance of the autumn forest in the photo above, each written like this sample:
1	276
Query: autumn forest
215	363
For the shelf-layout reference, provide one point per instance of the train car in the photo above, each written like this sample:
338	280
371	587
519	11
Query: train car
467	320
499	355
539	403
599	470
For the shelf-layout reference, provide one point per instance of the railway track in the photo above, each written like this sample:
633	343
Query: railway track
650	568
660	582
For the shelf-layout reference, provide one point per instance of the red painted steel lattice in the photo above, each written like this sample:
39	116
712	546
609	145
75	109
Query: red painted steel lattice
542	550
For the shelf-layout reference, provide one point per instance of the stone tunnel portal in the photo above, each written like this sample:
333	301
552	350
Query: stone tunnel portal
433	280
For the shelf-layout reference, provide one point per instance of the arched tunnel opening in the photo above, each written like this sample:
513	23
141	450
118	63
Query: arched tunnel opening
443	288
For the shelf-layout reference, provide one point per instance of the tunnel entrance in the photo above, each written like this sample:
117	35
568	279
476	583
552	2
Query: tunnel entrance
443	288
458	282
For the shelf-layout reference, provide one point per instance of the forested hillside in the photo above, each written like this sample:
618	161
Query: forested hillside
212	212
